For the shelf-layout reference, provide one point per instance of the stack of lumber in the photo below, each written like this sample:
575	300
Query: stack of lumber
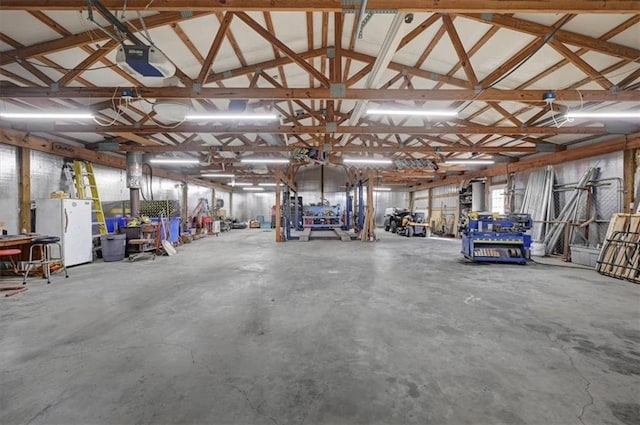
620	255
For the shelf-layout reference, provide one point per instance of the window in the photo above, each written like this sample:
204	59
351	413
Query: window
497	200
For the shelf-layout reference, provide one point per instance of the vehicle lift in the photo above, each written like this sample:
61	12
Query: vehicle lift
496	238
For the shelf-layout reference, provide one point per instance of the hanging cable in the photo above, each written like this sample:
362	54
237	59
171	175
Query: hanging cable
144	27
18	59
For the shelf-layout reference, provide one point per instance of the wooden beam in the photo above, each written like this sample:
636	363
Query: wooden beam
616	145
422	73
283	48
413	34
215	47
272	63
563	36
581	64
88	62
500	71
320	93
629	169
459	48
300	130
23	139
24	155
335	149
452	6
83	38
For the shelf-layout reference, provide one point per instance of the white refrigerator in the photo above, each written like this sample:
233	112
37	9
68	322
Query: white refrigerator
70	220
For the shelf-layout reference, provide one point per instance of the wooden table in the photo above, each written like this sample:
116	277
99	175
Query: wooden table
21	242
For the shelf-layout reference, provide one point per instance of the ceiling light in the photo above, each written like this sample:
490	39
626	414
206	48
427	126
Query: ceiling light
265	160
230	176
249	117
172	109
469	161
366	161
254	189
382	189
46	115
173	161
269	184
629	114
413	112
240	184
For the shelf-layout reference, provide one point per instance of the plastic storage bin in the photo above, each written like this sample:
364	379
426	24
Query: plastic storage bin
584	255
113	246
112	224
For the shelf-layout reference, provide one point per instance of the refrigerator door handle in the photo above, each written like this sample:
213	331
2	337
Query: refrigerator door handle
66	220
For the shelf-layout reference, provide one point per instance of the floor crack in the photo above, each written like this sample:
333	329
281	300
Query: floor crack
584	378
256	409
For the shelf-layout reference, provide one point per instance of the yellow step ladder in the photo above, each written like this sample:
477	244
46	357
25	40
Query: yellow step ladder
83	177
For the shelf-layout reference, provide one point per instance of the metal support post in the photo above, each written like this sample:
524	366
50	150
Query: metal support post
360	206
287	213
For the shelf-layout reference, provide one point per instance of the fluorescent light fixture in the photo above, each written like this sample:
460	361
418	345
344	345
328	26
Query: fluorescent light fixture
269	184
240	184
382	189
222	117
253	189
469	161
229	176
47	115
173	161
629	114
412	112
265	160
366	161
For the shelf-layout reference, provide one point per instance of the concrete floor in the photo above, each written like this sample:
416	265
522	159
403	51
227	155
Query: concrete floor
237	329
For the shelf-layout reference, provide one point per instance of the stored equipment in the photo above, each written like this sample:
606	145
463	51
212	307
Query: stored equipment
413	225
496	238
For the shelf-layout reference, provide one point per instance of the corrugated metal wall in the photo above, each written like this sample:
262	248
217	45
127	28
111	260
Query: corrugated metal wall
445	208
249	205
9	188
47	176
611	166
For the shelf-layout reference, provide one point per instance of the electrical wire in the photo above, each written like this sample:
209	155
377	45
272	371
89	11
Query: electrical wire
118	108
144	27
60	68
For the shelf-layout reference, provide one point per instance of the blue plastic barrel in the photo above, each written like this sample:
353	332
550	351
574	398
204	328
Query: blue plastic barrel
174	229
162	228
112	224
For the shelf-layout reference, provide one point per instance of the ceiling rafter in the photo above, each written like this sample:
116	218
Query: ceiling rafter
282	47
459	48
216	44
458	6
567	37
264	65
530	95
276	53
84	38
373	129
583	66
335	149
96	55
177	29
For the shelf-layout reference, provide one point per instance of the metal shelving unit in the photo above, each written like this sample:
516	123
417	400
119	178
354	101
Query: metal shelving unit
321	216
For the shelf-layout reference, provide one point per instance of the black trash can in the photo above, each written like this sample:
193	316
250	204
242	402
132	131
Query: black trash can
113	246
